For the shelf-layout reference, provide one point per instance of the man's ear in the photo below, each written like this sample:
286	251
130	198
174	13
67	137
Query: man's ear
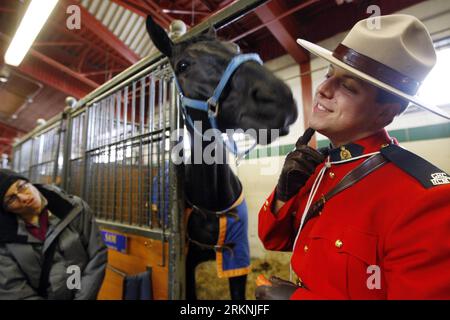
388	113
159	37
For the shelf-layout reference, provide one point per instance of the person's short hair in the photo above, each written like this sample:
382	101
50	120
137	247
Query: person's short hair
384	96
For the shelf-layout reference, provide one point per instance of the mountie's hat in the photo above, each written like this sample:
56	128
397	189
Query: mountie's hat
395	57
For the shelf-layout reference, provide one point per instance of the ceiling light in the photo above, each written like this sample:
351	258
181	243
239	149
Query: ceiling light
34	19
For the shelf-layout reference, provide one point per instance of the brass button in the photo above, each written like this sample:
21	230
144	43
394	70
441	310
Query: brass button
338	244
305	248
345	154
384	145
331	174
267	203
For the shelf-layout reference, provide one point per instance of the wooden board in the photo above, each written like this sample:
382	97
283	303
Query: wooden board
142	253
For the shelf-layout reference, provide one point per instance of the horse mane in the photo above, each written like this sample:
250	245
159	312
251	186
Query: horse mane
204	37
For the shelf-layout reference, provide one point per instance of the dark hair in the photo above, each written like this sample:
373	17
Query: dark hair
384	96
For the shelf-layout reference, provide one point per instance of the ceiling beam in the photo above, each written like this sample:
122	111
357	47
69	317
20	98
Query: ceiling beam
54	73
96	27
58	44
143	10
284	31
56	79
281	16
63	68
209	5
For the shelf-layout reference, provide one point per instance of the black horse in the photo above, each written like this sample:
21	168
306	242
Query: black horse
253	99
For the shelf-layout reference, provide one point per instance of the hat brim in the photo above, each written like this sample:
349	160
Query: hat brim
328	55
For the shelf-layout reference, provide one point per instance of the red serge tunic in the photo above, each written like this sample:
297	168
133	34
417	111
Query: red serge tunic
385	237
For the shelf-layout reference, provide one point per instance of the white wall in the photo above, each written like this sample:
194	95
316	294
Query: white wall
436	15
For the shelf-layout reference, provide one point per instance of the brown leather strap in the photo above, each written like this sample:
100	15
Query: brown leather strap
376	69
215	247
364	169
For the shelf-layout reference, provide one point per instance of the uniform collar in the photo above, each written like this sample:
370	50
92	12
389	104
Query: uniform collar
372	143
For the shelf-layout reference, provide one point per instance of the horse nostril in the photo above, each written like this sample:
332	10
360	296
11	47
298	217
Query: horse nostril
284	131
261	95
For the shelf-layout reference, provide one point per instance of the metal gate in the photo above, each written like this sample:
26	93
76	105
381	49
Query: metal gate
39	155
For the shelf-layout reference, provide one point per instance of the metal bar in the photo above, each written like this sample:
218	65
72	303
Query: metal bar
100	184
130	189
122	185
133	111
141	129
163	172
151	128
110	166
118	97
135	230
177	240
125	114
86	137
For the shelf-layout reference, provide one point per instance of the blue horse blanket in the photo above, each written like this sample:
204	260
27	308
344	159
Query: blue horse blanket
234	261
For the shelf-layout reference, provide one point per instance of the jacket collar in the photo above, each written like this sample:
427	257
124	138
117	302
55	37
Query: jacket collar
372	143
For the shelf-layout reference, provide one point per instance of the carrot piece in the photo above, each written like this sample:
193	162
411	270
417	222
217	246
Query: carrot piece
261	280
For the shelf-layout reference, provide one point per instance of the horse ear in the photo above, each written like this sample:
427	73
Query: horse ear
159	37
211	32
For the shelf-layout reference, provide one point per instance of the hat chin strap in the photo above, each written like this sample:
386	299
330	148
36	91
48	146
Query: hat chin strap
211	105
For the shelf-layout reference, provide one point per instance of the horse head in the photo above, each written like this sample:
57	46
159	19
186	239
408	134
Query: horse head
253	98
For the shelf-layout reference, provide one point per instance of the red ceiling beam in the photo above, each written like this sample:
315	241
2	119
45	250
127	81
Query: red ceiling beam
209	4
58	44
155	9
59	27
284	31
56	80
96	27
143	10
279	17
64	69
54	73
8	10
7	135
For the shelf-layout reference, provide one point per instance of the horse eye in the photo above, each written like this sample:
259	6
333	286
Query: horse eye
182	66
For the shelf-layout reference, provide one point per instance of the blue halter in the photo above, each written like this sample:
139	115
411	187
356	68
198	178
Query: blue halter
211	105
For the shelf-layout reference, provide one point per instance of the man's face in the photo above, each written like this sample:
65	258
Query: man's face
344	107
22	198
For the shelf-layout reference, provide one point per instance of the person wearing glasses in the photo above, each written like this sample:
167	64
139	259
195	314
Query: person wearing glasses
50	245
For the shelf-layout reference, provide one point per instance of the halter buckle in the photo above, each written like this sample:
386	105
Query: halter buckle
213	107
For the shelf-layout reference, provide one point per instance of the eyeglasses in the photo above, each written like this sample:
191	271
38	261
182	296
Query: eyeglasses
13	200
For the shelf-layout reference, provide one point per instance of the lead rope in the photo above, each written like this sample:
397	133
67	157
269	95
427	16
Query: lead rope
313	192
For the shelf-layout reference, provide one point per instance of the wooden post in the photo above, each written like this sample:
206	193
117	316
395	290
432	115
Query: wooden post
307	95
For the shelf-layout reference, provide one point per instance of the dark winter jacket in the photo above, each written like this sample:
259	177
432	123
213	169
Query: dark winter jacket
79	246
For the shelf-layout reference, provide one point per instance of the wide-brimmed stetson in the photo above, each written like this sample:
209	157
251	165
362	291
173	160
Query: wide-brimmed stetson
395	53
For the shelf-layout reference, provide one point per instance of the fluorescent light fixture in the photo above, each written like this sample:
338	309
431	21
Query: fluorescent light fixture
32	22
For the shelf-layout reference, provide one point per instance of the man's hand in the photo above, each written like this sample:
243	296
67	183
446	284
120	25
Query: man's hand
298	167
274	289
